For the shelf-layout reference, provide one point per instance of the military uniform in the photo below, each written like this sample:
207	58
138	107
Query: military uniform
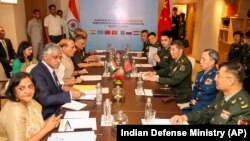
145	47
246	63
178	77
233	111
165	56
236	51
204	90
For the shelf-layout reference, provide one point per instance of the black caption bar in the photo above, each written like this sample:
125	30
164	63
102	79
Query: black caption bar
163	132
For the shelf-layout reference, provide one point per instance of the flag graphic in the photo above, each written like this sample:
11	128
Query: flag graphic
100	32
127	66
128	33
164	20
136	32
122	32
114	32
92	31
112	65
107	32
72	19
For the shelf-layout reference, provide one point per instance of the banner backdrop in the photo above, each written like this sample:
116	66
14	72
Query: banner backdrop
117	22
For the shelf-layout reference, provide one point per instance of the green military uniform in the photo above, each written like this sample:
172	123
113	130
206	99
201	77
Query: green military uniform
236	51
145	46
156	45
165	57
178	77
245	61
233	111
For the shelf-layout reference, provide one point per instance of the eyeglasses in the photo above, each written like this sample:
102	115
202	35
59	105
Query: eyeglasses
219	76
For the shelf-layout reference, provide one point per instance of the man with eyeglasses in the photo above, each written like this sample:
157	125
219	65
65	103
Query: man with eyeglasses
51	94
231	105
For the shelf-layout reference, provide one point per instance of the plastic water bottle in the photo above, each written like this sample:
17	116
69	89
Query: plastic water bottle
107	110
148	106
134	69
98	94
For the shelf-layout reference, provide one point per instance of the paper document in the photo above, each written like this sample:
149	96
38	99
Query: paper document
144	65
101	56
100	50
91	77
152	51
158	121
73	136
146	92
144	76
139	58
76	114
74	105
84	87
73	124
136	51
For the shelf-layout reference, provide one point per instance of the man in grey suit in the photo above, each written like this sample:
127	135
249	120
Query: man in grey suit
35	32
51	94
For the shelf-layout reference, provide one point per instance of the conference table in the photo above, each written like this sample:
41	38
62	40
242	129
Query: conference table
133	106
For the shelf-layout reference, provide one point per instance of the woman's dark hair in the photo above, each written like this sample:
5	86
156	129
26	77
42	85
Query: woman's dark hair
14	81
22	46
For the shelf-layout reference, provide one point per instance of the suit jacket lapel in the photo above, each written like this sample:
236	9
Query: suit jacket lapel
48	72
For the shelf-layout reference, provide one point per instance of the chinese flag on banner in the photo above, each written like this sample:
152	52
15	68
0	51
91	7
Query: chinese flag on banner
164	19
127	66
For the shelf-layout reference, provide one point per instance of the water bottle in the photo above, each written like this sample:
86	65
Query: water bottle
98	94
134	69
106	69
148	106
107	110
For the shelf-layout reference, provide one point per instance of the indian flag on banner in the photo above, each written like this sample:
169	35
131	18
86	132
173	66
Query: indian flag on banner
113	66
72	19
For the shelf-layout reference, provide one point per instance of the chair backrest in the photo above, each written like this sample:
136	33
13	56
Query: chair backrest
192	60
30	67
3	86
2	73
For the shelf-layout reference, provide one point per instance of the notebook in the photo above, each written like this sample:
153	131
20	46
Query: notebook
162	92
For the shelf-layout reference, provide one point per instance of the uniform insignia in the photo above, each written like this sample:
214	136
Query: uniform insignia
243	106
225	114
233	101
242	102
175	69
182	68
242	121
215	106
209	73
239	98
208	81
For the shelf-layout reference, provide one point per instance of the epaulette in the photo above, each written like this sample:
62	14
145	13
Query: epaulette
243	104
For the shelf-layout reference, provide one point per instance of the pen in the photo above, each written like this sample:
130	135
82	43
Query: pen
68	124
99	134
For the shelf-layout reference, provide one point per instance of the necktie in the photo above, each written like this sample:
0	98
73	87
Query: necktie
5	48
55	78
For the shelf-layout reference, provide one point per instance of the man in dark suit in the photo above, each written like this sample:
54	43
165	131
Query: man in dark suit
51	94
7	53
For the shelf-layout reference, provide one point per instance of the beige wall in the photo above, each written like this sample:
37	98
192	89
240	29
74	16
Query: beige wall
207	24
206	32
13	21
